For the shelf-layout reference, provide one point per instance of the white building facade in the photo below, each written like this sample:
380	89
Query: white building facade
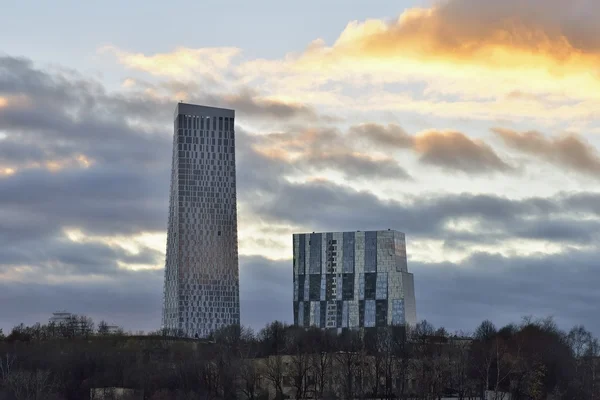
352	280
201	291
61	317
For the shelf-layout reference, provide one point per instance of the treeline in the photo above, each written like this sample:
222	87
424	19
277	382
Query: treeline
529	360
71	327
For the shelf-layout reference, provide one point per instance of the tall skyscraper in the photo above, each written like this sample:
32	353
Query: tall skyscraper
352	280
201	292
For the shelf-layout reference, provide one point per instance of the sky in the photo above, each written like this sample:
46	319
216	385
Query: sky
469	125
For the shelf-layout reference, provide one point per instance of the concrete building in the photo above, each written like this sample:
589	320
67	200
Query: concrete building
201	291
352	280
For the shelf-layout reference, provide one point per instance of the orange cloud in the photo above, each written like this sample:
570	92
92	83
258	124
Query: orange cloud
507	34
371	147
471	48
569	151
496	59
457	151
446	149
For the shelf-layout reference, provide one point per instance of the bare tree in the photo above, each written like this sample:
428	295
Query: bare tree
402	359
349	363
483	354
86	326
321	364
102	328
300	358
7	362
506	363
460	357
30	385
274	372
428	363
250	376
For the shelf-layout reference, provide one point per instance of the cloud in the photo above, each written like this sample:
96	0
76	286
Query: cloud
472	31
465	221
354	165
487	285
570	151
317	149
505	289
456	151
385	136
57	257
181	63
250	103
446	149
72	227
132	302
470	59
133	299
76	231
555	37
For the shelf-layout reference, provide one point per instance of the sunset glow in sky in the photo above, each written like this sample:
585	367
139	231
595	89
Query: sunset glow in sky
470	125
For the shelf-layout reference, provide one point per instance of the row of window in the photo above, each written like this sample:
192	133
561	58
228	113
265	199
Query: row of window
189	145
194	155
199	122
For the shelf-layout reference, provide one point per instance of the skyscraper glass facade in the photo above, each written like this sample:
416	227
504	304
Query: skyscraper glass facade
201	291
352	280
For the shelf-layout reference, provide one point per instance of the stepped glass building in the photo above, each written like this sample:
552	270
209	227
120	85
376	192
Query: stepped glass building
352	280
201	291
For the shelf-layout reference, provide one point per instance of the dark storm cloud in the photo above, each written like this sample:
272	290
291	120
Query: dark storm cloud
569	151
